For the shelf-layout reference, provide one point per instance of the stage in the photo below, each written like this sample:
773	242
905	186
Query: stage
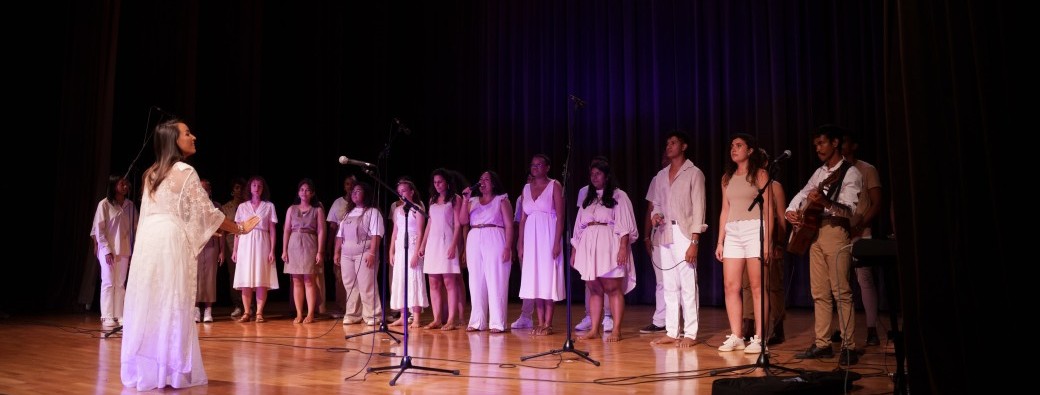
67	354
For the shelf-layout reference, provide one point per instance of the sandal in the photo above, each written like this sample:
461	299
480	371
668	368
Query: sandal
260	318
244	318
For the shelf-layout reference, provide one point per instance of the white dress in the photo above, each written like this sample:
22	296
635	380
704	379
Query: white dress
160	343
442	233
416	282
597	232
541	275
254	269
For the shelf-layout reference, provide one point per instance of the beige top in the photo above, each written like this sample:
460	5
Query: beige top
871	179
681	200
740	193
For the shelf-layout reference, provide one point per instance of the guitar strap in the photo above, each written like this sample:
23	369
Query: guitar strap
835	186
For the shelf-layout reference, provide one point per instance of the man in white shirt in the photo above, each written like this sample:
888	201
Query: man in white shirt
679	213
835	186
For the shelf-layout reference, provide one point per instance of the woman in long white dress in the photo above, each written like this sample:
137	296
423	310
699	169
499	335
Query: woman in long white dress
604	230
401	261
160	344
539	244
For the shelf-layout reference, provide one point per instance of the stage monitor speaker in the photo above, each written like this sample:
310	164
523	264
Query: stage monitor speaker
809	383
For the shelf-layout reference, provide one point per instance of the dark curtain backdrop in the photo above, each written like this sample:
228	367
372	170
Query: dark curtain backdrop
283	89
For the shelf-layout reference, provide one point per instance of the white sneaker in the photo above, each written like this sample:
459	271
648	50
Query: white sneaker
754	346
197	315
733	342
351	321
207	316
237	312
522	323
608	324
585	324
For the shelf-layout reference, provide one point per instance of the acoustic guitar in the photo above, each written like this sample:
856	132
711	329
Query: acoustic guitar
803	234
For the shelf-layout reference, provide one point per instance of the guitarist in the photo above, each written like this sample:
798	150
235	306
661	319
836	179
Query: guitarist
835	188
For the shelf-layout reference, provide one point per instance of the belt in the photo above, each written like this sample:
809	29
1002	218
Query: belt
596	223
485	226
835	221
305	230
673	222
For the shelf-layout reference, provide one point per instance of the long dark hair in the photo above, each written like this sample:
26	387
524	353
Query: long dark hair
450	178
314	192
497	188
113	182
755	159
167	153
366	191
609	185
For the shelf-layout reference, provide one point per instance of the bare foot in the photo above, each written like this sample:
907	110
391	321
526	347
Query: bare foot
495	330
309	319
542	331
449	327
399	322
687	342
415	324
433	325
614	336
664	340
591	335
297	320
472	329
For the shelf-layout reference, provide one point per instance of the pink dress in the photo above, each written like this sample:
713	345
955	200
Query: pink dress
597	232
442	233
541	275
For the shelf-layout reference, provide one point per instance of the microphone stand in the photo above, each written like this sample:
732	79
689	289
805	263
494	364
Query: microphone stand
568	344
763	357
406	360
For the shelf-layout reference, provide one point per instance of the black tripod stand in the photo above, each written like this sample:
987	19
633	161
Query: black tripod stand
113	331
382	293
406	361
568	344
763	357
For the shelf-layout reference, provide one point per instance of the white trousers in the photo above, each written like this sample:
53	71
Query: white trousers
488	278
113	285
680	286
659	305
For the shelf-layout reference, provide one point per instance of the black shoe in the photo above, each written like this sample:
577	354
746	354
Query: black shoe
815	352
848	357
778	334
836	337
872	337
652	329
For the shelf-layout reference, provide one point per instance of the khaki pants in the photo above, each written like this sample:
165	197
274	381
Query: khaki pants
830	258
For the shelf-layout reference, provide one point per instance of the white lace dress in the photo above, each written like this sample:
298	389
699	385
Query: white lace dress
160	340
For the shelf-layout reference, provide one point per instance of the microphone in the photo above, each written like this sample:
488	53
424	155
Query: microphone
577	100
347	161
785	155
401	127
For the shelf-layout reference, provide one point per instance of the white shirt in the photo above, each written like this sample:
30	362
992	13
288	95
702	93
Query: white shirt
847	196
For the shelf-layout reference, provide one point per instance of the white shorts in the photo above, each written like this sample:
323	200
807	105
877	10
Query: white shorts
742	239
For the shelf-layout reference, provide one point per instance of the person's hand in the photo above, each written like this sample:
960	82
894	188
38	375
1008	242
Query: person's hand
414	262
794	217
270	257
318	259
656	220
370	259
109	259
691	254
234	256
718	252
391	256
507	254
622	254
249	224
451	251
335	259
556	249
220	259
467	192
285	256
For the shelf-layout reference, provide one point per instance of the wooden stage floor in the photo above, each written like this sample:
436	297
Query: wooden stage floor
67	354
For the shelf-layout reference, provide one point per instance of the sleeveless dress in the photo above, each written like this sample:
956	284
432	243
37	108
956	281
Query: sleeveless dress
416	282
442	233
541	275
303	242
